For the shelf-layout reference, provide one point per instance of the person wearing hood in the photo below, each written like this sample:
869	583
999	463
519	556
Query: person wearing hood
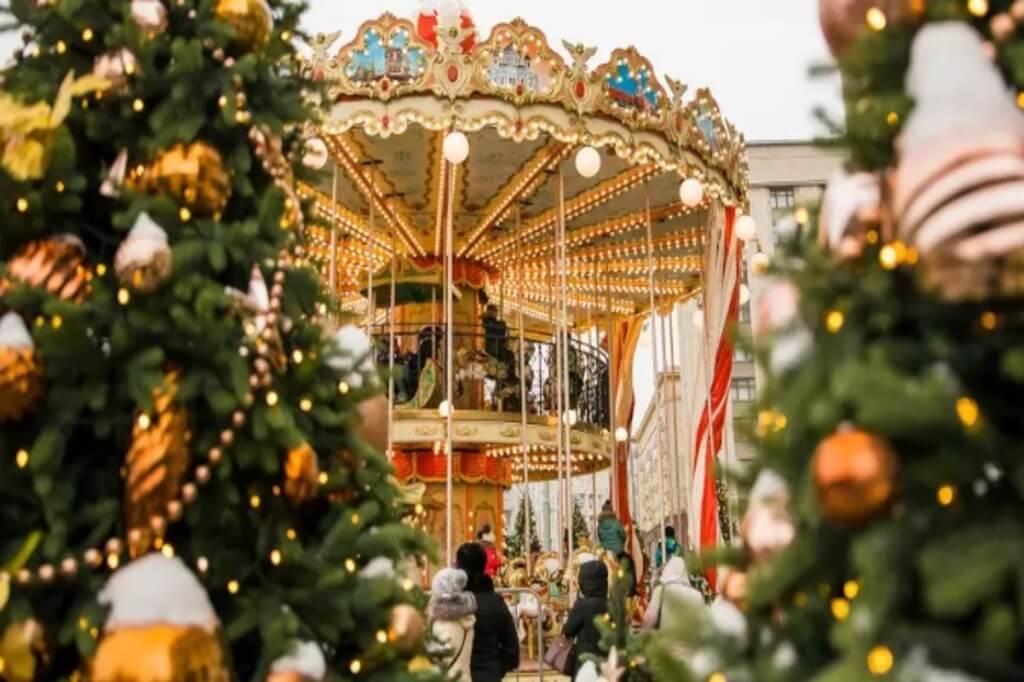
673	588
486	538
591	604
451	615
610	532
495	639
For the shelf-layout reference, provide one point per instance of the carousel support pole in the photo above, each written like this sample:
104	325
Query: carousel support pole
567	398
524	441
668	410
449	367
613	471
592	342
552	381
391	356
706	356
332	275
369	277
675	415
657	389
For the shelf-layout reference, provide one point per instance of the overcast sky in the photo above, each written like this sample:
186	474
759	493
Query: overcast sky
753	54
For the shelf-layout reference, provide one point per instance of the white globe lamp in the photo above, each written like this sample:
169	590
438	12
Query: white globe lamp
588	162
314	155
691	192
746	228
444	409
456	147
621	434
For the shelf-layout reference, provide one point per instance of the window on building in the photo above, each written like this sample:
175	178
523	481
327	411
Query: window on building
783	198
744	390
742	355
745	313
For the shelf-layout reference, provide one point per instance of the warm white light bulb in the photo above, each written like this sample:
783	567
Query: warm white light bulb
588	162
456	147
621	434
691	192
443	409
746	228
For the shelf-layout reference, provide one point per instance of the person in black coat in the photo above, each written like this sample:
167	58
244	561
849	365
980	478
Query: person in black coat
592	603
495	640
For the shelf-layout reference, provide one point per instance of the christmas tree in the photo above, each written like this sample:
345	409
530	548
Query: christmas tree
166	386
580	527
884	531
515	543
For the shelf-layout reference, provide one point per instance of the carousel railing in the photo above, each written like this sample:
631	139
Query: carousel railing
486	371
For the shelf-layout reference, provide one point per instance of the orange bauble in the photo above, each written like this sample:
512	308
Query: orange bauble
194	175
301	473
159	653
374	429
855	475
55	264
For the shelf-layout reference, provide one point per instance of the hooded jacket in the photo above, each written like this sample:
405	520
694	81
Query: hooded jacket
592	603
495	640
452	620
610	532
673	589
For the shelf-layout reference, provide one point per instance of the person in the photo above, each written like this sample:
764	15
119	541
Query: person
673	588
451	615
495	640
610	531
495	333
628	572
670	544
486	538
592	603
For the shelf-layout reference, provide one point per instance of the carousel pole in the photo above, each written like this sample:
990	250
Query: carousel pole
449	366
667	411
332	275
524	442
592	342
564	334
556	388
657	389
369	277
706	356
613	473
391	356
675	414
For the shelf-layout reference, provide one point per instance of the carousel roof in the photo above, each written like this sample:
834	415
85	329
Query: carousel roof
398	88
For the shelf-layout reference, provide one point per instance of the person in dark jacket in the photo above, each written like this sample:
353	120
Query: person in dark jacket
495	640
610	532
628	572
592	603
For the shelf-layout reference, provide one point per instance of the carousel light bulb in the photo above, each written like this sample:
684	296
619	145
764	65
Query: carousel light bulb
744	294
746	228
444	409
456	147
588	162
315	154
691	192
621	434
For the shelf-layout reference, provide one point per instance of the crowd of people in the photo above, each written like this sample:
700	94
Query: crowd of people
477	630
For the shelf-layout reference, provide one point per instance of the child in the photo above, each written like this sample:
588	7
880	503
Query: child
451	619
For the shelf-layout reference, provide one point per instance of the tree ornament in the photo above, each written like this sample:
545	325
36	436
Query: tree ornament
193	175
855	476
144	260
116	67
734	587
155	464
301	474
305	663
251	20
405	631
56	264
149	15
958	192
842	21
767	527
374	427
20	648
161	626
111	185
851	208
21	371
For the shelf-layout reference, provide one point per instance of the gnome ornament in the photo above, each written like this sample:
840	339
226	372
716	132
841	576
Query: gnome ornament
958	192
144	260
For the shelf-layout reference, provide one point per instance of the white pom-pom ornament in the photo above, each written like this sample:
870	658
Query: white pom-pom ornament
144	259
157	590
305	659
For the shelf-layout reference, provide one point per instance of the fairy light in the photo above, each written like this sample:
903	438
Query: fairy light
714	677
297	357
101	270
343	388
840	609
113	561
989	321
87	34
322	478
968	411
138	105
880	660
203	564
21	458
355	666
184	214
254	501
167	550
978	8
946	495
59	186
233	587
306	405
62	47
291	534
143	421
382	637
892	119
123	297
275	557
834	321
350	565
21	204
851	588
272	398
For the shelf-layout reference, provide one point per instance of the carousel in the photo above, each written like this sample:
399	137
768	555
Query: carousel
503	217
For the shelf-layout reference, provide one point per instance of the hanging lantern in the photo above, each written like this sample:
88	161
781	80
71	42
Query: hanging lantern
746	228
315	154
691	192
456	147
588	162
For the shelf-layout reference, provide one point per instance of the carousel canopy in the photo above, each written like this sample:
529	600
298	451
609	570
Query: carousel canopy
399	88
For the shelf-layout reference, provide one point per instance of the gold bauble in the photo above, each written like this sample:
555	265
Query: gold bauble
19	647
842	21
251	20
405	631
421	664
159	653
374	427
193	175
55	264
301	474
22	381
855	476
155	465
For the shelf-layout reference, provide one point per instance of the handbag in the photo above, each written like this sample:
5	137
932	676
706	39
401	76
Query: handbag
561	655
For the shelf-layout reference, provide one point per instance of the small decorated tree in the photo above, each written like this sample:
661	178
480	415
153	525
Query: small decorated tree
515	542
